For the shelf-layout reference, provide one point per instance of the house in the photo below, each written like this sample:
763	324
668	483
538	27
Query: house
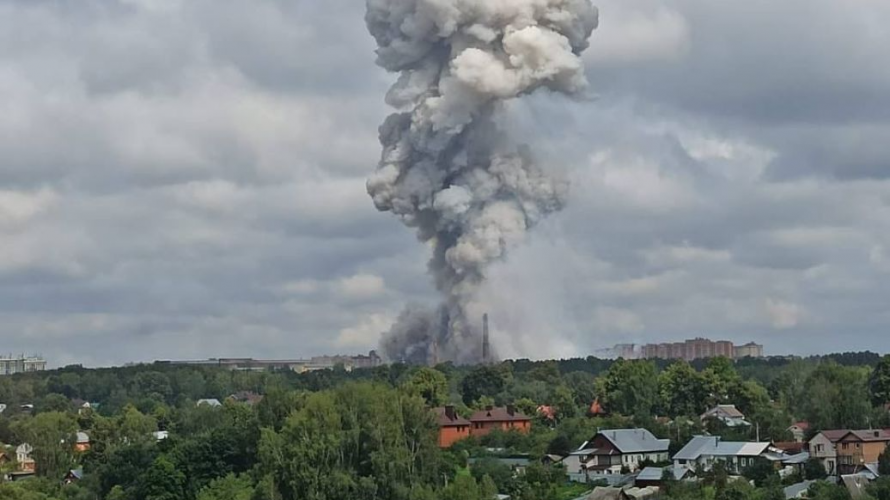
160	435
213	403
83	442
23	458
2	408
728	414
576	462
822	446
857	448
799	431
452	427
611	451
596	409
73	476
246	397
546	413
505	419
705	451
654	476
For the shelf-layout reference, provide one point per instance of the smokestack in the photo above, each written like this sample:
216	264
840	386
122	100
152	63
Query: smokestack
486	345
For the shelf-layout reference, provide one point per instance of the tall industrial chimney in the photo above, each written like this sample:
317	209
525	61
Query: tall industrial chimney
486	346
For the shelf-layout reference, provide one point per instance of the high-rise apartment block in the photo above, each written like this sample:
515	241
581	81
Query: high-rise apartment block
10	365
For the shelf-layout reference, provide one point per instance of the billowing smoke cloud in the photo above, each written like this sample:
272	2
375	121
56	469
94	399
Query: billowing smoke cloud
446	170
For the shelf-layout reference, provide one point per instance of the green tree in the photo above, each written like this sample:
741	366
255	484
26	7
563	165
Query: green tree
482	381
429	384
879	383
682	390
231	487
628	388
762	472
52	435
814	470
162	481
884	463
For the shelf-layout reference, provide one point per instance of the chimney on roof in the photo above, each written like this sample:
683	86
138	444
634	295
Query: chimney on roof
511	410
449	412
486	345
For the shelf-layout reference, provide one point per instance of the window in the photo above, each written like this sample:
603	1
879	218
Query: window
820	448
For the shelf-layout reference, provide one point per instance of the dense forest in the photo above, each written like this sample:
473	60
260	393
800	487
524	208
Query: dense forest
370	434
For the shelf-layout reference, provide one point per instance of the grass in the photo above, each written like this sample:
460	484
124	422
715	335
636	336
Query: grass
570	491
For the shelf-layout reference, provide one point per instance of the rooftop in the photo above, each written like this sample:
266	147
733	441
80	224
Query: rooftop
635	440
508	414
714	446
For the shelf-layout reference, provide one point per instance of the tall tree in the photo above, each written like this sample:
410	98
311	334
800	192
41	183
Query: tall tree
879	382
429	384
630	388
682	390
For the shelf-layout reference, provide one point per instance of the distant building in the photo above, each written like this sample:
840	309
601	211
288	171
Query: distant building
692	349
505	419
296	365
858	448
610	451
728	414
823	447
452	427
21	364
749	350
705	451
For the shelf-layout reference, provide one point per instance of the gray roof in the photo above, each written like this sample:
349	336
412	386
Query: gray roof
797	490
650	474
635	440
209	402
715	447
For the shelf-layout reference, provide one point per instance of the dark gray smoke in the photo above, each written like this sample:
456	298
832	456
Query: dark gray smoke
446	170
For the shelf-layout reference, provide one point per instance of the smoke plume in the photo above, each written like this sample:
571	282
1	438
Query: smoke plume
446	170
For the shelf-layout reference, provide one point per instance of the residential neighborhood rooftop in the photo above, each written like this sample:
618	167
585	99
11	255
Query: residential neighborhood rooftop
714	446
635	440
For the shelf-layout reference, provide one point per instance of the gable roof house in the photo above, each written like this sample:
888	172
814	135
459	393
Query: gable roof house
610	451
858	448
83	442
728	414
452	427
823	447
23	458
799	430
505	419
705	451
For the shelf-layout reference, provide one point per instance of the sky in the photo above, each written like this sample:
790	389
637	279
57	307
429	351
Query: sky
186	179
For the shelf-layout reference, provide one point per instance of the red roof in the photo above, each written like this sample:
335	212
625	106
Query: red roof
547	412
596	408
446	418
792	447
499	415
802	425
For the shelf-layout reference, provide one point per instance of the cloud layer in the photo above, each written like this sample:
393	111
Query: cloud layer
186	179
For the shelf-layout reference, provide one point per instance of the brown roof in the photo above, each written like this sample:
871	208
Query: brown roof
835	435
790	446
867	436
498	415
452	420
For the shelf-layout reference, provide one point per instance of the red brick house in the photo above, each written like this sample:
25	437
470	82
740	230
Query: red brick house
505	419
452	427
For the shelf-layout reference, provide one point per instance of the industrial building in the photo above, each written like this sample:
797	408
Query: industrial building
10	365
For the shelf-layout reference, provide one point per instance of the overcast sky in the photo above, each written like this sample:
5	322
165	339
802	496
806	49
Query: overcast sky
186	179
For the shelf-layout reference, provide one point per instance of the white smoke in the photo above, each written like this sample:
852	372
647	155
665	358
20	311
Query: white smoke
445	168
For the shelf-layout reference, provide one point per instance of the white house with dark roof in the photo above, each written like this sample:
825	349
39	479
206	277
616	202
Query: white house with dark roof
610	451
705	451
728	414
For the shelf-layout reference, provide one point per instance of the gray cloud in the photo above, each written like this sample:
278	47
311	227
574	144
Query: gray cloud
186	179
